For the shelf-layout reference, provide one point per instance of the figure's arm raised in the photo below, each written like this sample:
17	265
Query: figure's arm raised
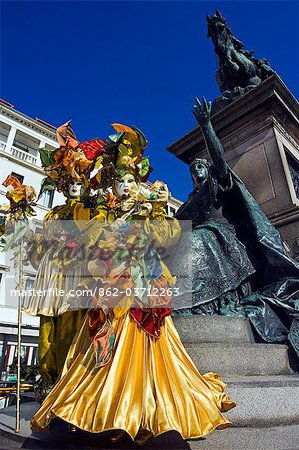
202	114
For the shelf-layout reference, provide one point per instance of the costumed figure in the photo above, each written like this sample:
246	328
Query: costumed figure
52	253
239	264
127	370
14	215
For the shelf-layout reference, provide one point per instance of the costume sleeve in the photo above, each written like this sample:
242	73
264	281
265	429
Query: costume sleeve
94	228
81	215
54	214
37	244
164	230
35	249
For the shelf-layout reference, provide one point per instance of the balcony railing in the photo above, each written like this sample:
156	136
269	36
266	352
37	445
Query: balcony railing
20	154
24	156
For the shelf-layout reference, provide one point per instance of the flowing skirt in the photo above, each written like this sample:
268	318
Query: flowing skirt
148	383
50	296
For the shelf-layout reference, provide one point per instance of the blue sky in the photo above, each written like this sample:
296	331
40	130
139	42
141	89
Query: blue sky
137	63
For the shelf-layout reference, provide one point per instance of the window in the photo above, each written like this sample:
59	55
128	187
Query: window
46	199
294	171
28	286
3	138
23	354
172	211
21	146
18	176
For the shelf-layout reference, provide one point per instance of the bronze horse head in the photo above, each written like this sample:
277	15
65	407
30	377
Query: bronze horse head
237	68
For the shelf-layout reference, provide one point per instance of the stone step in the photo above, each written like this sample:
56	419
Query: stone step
240	359
268	424
195	329
283	437
264	400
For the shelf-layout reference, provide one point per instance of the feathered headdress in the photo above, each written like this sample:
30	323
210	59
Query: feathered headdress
73	160
123	154
21	195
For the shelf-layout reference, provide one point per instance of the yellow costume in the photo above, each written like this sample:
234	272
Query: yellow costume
141	376
68	169
58	322
148	383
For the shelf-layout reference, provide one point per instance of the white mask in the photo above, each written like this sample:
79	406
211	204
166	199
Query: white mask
126	185
76	188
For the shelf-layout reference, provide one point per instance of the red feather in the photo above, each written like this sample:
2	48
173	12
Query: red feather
93	149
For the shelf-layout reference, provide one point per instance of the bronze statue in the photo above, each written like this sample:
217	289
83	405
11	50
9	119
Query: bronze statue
238	71
240	267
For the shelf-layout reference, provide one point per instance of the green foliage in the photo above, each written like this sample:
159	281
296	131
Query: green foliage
145	166
12	238
116	137
142	138
47	156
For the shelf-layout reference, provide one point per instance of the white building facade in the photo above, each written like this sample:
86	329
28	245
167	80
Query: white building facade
20	138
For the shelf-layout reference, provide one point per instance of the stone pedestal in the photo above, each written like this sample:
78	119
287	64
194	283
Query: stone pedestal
260	134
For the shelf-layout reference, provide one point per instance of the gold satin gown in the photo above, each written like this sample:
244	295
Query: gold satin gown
148	383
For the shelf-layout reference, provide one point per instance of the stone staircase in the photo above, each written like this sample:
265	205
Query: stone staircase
259	376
